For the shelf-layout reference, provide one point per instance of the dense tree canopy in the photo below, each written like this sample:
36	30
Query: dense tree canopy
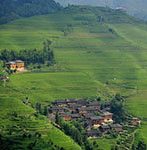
34	56
13	9
141	145
117	108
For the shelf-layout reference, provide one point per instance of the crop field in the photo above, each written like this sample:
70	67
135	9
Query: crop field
54	85
90	61
137	104
11	102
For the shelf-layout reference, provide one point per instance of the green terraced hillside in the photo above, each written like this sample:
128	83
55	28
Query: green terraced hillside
92	59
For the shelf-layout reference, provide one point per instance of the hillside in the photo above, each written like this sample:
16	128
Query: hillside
13	9
94	57
136	8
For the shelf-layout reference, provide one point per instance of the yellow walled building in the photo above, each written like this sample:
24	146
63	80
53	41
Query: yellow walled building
17	65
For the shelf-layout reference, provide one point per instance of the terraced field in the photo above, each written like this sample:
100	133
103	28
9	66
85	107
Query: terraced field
91	60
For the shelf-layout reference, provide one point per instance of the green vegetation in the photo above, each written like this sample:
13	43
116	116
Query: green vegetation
11	10
43	56
93	58
141	146
75	130
20	123
104	144
117	108
134	7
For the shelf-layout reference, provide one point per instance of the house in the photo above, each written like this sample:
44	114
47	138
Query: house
116	127
104	128
121	9
93	133
66	117
75	116
93	104
82	110
11	65
72	101
17	65
82	102
96	121
73	107
92	109
61	103
85	110
20	65
54	109
135	121
88	115
107	116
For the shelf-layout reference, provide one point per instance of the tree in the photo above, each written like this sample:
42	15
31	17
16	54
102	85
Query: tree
141	145
111	30
58	119
117	109
45	111
1	66
48	54
88	145
34	56
13	9
38	107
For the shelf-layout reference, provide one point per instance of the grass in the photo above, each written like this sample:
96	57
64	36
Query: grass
137	104
88	57
53	85
12	103
105	144
136	35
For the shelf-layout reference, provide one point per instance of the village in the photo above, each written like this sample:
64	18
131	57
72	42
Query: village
96	121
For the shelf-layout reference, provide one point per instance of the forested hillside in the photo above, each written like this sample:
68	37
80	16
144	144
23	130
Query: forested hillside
13	9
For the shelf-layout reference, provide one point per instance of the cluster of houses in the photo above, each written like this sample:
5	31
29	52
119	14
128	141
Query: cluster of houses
95	120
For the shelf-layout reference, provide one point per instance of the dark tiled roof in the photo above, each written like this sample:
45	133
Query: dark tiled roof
106	113
116	126
105	127
59	102
95	118
14	62
94	103
10	63
75	115
93	133
19	61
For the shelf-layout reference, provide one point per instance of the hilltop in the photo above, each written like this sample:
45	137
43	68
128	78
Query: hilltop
98	51
136	8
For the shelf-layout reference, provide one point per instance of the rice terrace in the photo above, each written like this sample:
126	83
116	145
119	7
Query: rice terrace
72	77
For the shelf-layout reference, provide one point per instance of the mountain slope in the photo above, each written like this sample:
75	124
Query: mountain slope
93	58
12	9
134	7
